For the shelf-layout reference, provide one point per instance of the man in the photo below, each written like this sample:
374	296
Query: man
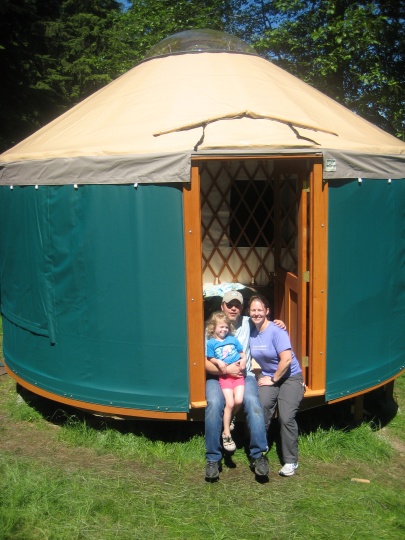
232	306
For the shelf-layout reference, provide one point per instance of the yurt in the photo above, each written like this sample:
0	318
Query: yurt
202	169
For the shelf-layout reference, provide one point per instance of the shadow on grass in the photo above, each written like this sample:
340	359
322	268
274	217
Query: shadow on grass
154	430
378	411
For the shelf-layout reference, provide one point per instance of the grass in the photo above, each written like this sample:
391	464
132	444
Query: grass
333	445
397	425
64	475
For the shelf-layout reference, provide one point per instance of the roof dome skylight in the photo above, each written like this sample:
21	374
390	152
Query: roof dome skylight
195	41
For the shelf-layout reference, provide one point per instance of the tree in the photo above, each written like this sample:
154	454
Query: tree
147	22
352	51
52	54
22	44
79	55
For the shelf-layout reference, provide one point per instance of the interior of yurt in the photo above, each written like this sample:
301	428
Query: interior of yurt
203	169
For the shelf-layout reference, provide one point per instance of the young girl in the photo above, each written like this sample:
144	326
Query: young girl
224	349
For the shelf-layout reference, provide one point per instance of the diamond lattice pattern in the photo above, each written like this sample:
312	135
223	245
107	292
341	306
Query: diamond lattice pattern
238	207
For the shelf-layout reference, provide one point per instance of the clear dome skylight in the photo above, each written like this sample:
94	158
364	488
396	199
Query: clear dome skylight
195	41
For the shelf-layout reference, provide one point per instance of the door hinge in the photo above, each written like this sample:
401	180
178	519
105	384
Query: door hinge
305	276
305	186
304	361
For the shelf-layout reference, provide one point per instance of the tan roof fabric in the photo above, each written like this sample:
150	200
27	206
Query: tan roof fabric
165	109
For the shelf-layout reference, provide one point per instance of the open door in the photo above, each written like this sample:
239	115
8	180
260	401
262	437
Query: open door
291	259
300	261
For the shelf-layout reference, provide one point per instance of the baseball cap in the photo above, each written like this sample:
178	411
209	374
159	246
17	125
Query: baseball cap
232	295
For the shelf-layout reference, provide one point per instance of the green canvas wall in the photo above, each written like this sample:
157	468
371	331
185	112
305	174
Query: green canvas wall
366	284
93	292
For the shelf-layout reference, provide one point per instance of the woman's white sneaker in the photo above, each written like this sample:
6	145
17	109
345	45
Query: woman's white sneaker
288	469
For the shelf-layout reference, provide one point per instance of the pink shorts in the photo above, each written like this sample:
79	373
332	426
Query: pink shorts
231	382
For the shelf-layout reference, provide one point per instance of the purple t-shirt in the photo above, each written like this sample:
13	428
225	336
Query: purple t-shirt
266	347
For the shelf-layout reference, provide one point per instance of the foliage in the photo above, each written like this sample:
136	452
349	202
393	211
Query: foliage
147	22
55	53
50	56
25	104
79	59
352	51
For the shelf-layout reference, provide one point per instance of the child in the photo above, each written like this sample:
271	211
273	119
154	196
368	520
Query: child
224	349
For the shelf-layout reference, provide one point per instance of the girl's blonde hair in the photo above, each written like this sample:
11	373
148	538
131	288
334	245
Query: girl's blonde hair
216	317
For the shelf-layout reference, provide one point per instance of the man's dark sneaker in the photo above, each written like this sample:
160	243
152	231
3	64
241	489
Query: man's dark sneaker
261	466
212	470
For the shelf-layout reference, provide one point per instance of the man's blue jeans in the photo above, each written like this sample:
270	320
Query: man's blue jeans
214	413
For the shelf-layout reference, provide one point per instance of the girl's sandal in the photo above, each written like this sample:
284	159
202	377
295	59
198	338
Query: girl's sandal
228	443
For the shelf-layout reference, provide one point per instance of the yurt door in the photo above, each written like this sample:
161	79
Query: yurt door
300	262
291	249
252	222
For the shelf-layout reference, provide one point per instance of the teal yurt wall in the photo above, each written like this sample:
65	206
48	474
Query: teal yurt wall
93	293
366	284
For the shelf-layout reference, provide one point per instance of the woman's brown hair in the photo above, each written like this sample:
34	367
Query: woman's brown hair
258	298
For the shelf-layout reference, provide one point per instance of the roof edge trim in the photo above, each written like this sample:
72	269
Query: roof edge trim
337	164
176	167
112	169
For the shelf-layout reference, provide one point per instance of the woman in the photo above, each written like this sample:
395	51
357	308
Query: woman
281	382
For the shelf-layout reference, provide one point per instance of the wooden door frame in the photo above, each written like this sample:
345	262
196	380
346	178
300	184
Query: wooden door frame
318	283
313	329
194	297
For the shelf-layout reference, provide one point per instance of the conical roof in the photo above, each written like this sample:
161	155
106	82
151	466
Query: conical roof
146	125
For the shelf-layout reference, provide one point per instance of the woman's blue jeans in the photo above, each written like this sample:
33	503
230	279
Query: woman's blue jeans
214	413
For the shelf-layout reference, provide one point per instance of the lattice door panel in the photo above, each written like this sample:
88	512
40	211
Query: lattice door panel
237	208
286	211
